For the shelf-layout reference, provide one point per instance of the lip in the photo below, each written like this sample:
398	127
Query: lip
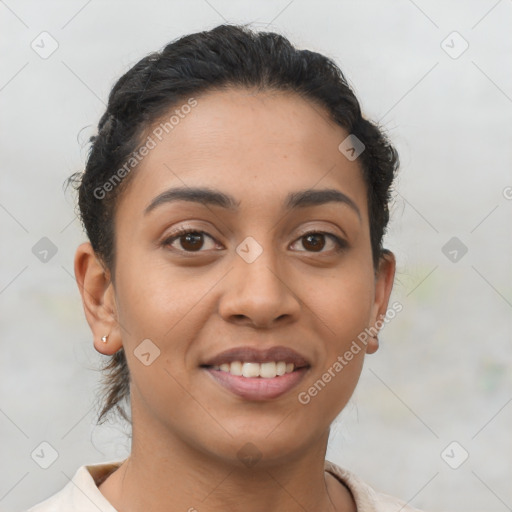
257	388
258	355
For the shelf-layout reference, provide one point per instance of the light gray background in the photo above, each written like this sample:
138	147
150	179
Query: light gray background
443	372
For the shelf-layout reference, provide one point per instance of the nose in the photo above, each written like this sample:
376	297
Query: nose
259	293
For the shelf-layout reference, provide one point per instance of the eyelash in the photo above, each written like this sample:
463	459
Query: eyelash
340	243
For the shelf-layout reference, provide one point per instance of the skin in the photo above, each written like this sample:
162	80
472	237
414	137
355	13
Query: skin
187	429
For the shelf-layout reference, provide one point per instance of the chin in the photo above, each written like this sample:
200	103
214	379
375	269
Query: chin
265	445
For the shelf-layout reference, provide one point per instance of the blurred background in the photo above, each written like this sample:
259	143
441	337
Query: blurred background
431	419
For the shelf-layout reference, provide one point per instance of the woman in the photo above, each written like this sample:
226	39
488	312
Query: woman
235	202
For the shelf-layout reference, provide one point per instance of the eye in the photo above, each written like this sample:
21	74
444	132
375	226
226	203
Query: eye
190	240
193	240
314	241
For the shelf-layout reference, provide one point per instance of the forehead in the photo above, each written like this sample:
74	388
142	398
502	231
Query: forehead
257	146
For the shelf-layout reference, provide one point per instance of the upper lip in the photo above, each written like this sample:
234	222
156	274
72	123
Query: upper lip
258	355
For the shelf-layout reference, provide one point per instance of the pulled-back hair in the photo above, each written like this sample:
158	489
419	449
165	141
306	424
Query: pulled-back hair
225	57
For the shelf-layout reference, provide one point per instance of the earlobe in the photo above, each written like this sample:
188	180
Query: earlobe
372	345
95	285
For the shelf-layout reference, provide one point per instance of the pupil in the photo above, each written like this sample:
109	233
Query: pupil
192	239
317	245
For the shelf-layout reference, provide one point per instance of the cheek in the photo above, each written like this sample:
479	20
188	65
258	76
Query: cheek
343	305
343	308
152	297
166	306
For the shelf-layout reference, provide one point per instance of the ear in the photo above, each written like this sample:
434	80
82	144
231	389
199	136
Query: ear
98	298
384	278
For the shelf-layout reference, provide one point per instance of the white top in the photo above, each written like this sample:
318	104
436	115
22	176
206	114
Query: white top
81	494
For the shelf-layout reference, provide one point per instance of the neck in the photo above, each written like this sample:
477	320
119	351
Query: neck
170	475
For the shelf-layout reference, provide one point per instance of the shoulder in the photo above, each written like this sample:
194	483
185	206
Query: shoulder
81	493
367	500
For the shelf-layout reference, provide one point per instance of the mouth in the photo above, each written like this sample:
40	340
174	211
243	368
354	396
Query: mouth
256	374
250	370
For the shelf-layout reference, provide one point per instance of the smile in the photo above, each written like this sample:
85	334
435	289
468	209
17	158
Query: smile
267	370
256	373
249	384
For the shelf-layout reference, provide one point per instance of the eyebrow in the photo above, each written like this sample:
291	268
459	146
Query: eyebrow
208	196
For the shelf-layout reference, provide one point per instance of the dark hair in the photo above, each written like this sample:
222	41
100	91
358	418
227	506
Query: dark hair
226	56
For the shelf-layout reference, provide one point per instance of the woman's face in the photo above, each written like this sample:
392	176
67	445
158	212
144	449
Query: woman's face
246	280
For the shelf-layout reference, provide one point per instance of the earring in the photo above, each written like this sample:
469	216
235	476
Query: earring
104	338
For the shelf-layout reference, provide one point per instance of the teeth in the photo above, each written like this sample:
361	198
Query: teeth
235	368
250	370
268	370
264	370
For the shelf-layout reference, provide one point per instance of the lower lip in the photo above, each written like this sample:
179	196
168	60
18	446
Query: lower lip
257	388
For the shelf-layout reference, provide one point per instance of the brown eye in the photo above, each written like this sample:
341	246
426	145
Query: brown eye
187	241
315	241
192	241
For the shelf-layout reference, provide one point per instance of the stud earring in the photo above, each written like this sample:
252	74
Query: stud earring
104	338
